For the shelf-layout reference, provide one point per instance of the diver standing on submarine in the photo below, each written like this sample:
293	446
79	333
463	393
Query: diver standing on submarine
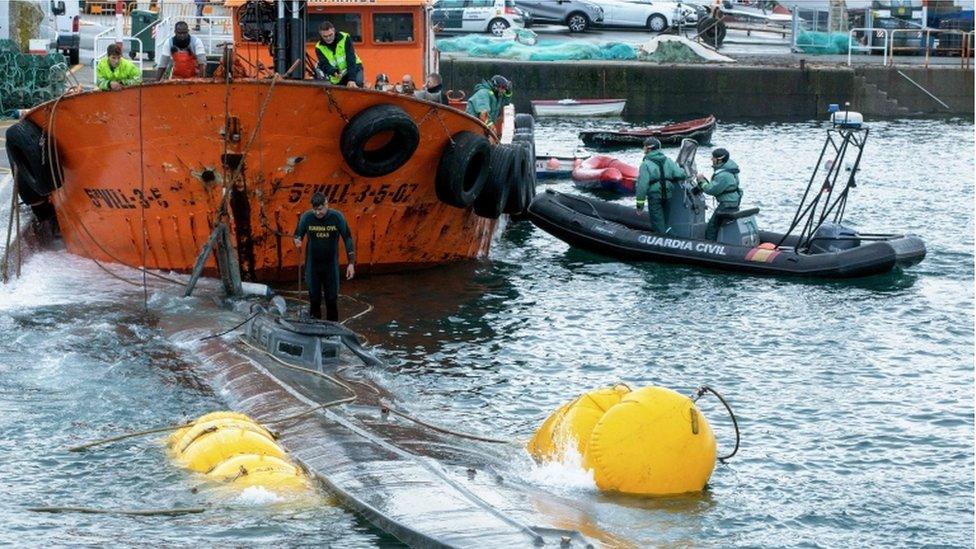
324	227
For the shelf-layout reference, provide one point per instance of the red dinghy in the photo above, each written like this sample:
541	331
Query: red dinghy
699	129
605	173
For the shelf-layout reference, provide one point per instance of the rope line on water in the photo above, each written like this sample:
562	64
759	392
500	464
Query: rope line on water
236	326
131	512
735	424
387	407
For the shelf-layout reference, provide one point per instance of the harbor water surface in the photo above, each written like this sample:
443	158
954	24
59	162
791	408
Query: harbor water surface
854	398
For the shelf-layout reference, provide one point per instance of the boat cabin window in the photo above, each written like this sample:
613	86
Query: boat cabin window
291	349
351	23
331	346
392	27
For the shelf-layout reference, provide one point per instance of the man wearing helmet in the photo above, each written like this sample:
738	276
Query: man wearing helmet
657	173
489	98
724	186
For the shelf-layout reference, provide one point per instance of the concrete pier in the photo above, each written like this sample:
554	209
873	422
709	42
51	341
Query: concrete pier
662	92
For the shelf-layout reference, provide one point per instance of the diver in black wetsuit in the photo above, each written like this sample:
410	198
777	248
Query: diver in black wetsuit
324	227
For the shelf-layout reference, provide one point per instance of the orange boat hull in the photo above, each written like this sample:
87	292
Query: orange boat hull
144	171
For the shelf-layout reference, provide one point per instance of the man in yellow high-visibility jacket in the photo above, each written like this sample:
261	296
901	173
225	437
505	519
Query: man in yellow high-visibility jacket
338	63
114	73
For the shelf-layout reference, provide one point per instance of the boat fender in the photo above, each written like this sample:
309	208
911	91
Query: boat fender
491	201
25	144
255	288
568	429
654	442
212	447
524	120
523	181
463	169
379	140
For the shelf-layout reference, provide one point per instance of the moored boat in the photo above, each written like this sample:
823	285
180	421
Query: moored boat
578	107
699	129
145	176
605	173
555	167
816	244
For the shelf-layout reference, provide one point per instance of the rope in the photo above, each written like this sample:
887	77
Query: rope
387	407
236	326
131	512
735	424
10	222
142	206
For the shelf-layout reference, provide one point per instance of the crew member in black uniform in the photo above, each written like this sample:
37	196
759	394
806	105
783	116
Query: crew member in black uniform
324	227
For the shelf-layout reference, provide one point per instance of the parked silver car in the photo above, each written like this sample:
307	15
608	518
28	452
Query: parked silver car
578	15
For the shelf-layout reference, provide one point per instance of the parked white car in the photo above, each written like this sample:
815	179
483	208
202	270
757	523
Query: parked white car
653	15
494	16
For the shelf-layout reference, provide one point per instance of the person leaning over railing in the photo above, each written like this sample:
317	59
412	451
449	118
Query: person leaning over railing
184	52
114	73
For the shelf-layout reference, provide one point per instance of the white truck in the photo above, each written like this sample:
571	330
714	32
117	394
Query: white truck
51	25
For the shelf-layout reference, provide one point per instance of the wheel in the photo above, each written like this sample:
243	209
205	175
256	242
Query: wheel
712	33
577	22
497	26
379	140
24	143
524	120
74	56
521	191
657	23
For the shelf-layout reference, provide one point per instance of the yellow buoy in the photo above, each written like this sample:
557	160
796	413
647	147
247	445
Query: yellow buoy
272	473
654	442
178	434
211	448
203	427
571	424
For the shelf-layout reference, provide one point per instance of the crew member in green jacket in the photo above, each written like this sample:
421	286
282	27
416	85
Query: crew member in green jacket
114	73
489	98
724	186
324	227
657	173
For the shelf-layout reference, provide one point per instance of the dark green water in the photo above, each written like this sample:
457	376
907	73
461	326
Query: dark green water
854	398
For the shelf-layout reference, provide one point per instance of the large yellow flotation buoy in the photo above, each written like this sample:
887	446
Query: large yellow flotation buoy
201	428
269	472
570	426
652	441
211	448
178	434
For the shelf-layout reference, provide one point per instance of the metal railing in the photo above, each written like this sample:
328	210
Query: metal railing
879	33
106	39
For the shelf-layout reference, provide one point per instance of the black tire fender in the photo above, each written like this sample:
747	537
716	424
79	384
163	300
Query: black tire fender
463	169
379	140
493	198
26	146
520	192
524	120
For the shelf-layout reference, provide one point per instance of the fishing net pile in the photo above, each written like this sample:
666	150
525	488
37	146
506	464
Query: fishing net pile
678	49
28	80
545	50
823	43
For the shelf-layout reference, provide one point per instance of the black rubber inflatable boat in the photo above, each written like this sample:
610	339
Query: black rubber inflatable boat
816	244
617	231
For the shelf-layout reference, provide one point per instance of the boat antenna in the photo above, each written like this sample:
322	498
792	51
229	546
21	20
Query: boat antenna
816	205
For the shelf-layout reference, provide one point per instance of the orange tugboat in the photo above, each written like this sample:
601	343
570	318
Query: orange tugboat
150	175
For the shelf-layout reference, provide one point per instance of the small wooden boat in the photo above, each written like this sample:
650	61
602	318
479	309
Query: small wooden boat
699	129
578	107
605	173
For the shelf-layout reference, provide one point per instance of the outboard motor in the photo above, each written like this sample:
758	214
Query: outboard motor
739	228
686	210
833	237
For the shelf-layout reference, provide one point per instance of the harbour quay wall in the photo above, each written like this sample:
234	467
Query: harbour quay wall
670	92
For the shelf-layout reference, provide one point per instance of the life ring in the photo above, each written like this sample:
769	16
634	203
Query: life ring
24	149
521	191
379	140
463	169
524	120
501	171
